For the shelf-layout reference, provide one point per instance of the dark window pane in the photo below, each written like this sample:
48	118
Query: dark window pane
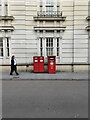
41	50
7	46
1	51
57	51
7	51
1	46
41	42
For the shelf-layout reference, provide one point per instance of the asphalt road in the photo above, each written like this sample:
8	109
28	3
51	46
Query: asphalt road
44	99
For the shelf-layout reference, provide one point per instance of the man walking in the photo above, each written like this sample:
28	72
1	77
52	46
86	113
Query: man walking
13	65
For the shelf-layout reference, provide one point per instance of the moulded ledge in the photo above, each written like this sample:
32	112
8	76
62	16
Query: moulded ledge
50	18
6	18
11	28
62	28
88	18
88	28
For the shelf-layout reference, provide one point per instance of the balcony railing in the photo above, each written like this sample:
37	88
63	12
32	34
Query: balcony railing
49	14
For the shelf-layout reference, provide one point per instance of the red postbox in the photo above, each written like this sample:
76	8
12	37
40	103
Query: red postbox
41	64
51	64
35	62
38	63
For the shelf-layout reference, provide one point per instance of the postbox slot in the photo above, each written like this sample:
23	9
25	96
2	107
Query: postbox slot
51	58
41	60
36	60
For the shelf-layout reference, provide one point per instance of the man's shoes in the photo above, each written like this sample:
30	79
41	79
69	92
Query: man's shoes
17	73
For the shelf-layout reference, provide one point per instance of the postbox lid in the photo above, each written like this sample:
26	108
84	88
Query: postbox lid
51	56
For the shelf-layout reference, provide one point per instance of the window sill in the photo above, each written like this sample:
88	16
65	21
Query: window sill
3	57
7	57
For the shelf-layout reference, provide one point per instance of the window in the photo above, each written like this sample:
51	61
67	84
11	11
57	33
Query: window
4	47
58	9
49	7
48	2
49	46
41	47
1	47
57	46
41	7
6	8
0	8
40	2
7	47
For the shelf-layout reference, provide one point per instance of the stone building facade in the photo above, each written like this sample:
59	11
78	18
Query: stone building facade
44	27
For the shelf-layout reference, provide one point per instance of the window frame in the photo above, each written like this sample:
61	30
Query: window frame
58	47
41	47
6	47
6	9
47	47
49	7
1	47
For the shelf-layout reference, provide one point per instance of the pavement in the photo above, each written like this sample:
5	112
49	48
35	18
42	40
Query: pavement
45	76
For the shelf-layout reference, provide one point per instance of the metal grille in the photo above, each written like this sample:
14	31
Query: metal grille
49	13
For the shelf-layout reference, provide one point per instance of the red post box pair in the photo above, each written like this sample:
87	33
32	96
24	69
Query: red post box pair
38	63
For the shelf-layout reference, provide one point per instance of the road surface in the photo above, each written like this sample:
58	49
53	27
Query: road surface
44	99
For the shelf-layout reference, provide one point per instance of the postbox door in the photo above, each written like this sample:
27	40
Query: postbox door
36	64
41	64
51	65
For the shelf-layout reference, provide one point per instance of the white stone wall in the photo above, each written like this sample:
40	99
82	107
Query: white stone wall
75	35
24	43
80	33
67	38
